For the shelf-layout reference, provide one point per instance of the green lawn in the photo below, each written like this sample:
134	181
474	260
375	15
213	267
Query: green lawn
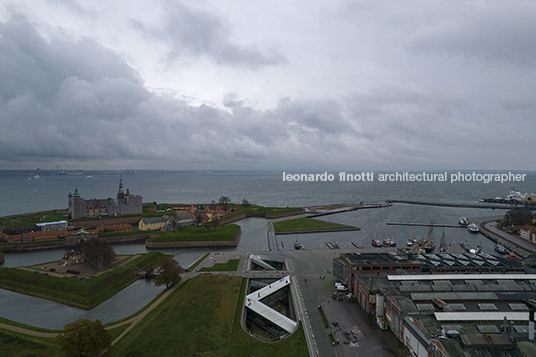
85	294
194	320
30	219
202	318
306	224
16	345
231	265
148	260
191	233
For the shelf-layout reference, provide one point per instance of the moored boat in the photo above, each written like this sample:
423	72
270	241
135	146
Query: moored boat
463	221
297	245
499	248
411	240
376	243
388	243
473	228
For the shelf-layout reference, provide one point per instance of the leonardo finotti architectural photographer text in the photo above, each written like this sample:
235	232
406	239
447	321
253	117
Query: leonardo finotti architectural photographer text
407	177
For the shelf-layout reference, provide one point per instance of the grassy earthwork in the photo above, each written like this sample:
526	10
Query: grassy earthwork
191	233
85	294
306	224
205	312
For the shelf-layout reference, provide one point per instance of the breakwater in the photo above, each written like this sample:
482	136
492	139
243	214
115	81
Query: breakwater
425	224
463	205
341	210
319	231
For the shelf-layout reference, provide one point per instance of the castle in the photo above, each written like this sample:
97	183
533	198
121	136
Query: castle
124	204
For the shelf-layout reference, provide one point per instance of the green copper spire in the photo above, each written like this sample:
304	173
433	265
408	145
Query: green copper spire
121	185
76	194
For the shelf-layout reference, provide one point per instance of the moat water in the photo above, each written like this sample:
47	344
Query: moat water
25	194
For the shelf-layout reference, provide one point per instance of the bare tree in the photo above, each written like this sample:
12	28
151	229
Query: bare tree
169	273
225	201
97	253
245	203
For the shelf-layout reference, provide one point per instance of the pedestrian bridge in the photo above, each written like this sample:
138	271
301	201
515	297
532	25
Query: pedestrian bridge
253	302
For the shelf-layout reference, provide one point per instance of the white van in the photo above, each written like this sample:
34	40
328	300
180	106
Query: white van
342	288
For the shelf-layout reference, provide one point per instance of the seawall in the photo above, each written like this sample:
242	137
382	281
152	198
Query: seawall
319	231
194	244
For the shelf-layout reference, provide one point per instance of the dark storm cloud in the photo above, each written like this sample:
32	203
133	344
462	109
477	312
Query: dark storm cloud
66	99
189	32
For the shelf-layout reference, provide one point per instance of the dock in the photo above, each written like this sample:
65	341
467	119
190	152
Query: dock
332	245
425	225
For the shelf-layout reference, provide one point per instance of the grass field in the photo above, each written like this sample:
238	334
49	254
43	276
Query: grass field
191	233
148	260
85	294
30	219
231	265
306	224
202	318
16	345
196	318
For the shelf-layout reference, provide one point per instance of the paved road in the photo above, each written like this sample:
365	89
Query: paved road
513	243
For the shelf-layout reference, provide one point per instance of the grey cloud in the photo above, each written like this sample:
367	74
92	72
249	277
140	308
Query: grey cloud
495	32
190	32
74	101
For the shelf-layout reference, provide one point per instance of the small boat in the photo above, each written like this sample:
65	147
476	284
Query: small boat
411	240
473	228
512	256
463	221
297	245
89	177
376	243
499	248
388	243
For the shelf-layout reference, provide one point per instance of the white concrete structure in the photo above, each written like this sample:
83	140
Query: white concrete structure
253	302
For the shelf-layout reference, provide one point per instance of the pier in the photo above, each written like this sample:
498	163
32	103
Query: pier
425	225
462	205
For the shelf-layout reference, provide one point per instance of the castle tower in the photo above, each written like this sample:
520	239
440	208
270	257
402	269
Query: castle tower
120	194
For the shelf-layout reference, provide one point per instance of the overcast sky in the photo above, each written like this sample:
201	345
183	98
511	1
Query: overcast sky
285	85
